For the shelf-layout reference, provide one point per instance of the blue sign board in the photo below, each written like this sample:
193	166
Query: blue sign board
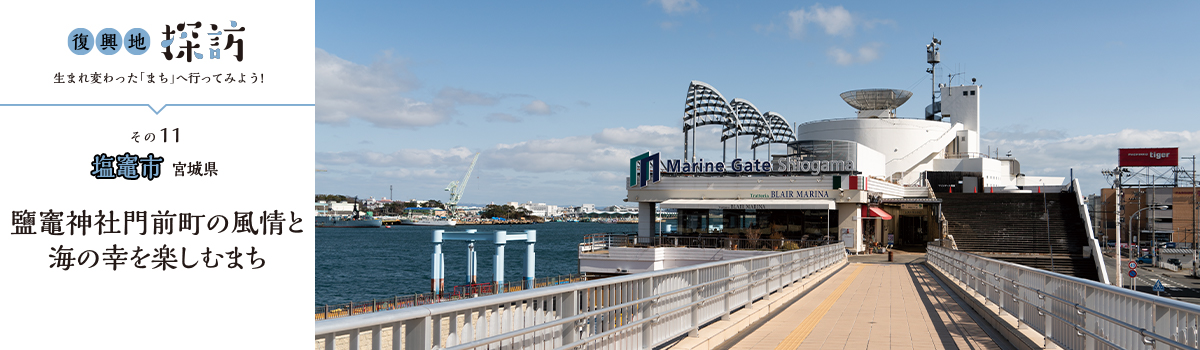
1158	287
1132	273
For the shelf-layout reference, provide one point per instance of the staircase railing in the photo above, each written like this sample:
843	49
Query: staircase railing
1097	255
925	150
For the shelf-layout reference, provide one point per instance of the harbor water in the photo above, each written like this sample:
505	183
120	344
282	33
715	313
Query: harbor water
361	264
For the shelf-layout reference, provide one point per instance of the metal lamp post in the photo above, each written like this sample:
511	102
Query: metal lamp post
1131	255
1195	247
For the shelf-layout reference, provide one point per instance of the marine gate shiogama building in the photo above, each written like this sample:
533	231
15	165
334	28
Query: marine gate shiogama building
866	179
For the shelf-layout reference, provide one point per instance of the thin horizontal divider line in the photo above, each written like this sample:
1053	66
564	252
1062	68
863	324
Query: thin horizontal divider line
147	105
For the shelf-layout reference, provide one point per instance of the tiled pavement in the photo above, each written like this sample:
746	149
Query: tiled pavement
873	304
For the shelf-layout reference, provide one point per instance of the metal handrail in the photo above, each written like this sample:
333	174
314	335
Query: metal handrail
1097	254
603	241
550	317
1131	317
953	128
641	301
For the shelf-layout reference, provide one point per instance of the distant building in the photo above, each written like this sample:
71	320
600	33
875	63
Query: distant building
326	208
425	211
540	209
469	211
1175	224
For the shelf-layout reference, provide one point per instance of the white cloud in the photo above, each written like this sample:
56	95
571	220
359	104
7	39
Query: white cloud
347	90
840	56
578	169
576	153
644	135
1052	153
376	94
606	177
539	107
408	174
679	6
502	117
401	158
460	96
866	53
606	150
764	28
835	20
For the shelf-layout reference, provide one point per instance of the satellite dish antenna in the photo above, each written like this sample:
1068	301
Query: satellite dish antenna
972	81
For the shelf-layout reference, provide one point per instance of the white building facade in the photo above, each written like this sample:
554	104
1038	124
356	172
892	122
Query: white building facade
836	179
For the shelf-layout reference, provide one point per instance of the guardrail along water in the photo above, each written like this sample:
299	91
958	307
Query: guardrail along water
633	311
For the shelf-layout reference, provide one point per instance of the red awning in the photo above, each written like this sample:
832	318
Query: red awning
876	212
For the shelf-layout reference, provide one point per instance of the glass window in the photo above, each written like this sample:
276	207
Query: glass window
774	223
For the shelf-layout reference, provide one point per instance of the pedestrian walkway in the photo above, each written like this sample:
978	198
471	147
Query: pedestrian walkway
873	304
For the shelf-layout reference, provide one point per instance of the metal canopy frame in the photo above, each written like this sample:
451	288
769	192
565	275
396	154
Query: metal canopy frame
705	105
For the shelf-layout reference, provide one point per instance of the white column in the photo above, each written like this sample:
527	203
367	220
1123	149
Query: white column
435	278
646	225
498	259
471	263
530	259
850	219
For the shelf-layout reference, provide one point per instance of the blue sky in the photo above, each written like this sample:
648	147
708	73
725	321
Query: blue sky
557	96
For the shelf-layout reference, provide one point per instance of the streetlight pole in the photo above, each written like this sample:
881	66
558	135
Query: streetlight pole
1155	207
1195	248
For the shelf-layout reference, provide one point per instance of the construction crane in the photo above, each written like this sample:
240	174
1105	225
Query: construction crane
457	188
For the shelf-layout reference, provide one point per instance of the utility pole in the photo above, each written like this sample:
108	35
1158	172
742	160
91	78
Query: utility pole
1195	248
1118	201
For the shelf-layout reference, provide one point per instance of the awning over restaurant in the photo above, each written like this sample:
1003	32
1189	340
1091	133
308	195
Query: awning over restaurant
875	212
749	204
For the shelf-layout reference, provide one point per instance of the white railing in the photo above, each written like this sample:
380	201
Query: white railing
1073	313
636	311
1167	266
950	134
885	188
1097	254
893	190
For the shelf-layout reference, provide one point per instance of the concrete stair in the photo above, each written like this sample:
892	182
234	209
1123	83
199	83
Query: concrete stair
1022	228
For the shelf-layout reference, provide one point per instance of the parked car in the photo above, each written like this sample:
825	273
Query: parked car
1145	259
1175	262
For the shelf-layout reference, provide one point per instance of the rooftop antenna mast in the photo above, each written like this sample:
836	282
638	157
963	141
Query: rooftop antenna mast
933	57
951	76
